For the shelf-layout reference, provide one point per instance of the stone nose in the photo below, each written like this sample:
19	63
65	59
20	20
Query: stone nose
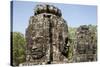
34	47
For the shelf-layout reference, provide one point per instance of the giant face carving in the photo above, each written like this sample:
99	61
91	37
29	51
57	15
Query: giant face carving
37	44
36	37
37	47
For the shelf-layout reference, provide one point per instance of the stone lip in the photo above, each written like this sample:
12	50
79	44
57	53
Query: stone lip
45	8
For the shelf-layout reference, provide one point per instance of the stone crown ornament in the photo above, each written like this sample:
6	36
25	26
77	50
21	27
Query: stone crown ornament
47	9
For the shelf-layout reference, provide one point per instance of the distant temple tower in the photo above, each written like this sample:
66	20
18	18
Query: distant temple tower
86	47
47	36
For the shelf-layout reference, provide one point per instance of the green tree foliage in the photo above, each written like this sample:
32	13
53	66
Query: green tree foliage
72	37
19	44
72	31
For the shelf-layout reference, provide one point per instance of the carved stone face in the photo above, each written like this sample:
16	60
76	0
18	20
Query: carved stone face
37	47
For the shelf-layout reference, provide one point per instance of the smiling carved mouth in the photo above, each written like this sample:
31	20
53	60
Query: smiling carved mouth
36	51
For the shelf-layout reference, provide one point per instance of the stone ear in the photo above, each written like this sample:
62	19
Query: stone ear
66	40
65	51
65	48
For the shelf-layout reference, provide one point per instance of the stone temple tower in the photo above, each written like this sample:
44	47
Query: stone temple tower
47	36
86	45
